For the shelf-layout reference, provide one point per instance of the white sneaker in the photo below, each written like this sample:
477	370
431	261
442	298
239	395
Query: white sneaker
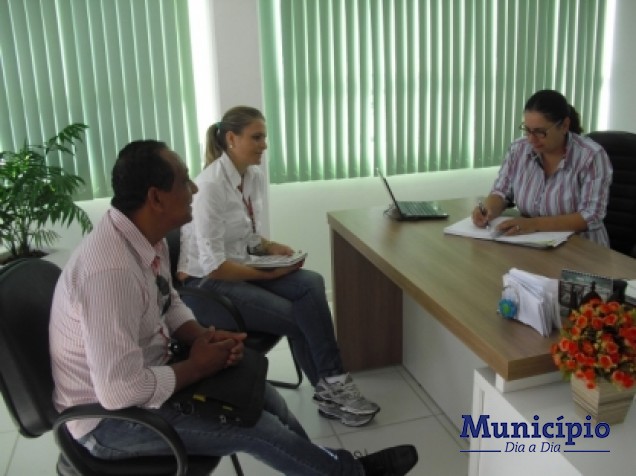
333	412
346	395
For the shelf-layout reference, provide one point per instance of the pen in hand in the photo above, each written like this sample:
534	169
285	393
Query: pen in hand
483	211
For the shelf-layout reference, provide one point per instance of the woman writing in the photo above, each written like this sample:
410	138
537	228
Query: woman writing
289	301
558	179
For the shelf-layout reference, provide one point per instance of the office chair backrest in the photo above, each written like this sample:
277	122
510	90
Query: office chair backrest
620	219
26	293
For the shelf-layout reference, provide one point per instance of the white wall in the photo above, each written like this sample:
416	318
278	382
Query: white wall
298	211
622	100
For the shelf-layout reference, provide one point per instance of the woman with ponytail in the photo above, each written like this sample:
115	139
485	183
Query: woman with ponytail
290	300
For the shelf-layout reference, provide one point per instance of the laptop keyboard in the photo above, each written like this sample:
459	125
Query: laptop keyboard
418	208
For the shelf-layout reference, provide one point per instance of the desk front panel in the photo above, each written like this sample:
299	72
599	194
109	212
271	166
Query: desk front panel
457	280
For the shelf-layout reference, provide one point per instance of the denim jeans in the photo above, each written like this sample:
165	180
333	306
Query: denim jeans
277	440
294	305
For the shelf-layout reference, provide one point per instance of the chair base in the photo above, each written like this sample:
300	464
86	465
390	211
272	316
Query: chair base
299	373
64	468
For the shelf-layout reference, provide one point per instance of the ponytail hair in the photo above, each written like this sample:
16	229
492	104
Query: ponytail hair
234	120
555	108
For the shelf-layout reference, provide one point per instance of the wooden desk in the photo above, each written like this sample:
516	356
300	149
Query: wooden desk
457	280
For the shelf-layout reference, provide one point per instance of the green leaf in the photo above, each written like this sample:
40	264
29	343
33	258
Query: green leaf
34	195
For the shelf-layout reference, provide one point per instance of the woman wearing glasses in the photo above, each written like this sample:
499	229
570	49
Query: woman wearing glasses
558	179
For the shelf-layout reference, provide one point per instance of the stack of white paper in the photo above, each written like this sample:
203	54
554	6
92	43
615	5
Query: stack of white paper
538	304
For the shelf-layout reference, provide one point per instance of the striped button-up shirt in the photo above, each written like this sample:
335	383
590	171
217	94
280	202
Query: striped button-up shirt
580	184
108	337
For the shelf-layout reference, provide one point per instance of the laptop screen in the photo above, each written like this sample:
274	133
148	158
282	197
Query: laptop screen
388	188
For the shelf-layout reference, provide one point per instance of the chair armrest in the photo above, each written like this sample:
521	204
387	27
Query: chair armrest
144	417
224	301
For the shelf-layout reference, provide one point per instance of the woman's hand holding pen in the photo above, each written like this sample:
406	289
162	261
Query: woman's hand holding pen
481	215
487	210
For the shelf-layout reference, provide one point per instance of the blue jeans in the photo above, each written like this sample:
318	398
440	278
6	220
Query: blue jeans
277	440
294	305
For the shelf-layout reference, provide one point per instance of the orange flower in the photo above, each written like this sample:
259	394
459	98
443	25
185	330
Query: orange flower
610	320
581	322
611	347
564	344
597	323
600	342
588	348
628	381
605	362
611	306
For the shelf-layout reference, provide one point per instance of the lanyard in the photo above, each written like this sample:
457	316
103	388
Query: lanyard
248	203
248	208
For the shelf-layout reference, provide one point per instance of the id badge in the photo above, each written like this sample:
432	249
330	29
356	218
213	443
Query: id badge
253	243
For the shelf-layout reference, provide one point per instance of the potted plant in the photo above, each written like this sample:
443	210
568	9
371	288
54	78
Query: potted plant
597	353
34	195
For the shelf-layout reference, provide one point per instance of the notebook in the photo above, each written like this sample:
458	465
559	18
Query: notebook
275	261
413	210
540	239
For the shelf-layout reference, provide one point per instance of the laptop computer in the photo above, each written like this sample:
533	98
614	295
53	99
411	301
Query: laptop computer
405	210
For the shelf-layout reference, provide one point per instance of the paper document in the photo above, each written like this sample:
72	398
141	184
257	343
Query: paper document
537	296
540	239
275	261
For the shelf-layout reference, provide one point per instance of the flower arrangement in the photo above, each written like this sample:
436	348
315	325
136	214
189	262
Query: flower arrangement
599	342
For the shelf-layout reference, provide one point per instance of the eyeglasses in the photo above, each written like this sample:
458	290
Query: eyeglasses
539	133
165	300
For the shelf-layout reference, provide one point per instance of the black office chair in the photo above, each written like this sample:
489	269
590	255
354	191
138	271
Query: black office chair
195	297
26	382
620	219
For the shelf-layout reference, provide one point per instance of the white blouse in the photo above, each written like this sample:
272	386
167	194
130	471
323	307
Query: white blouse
222	224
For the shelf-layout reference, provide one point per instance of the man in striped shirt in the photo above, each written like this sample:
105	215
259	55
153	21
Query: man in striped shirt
114	313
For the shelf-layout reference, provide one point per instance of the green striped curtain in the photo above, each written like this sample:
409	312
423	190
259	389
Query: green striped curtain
415	86
123	67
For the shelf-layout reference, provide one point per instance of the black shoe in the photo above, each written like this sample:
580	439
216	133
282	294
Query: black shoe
394	461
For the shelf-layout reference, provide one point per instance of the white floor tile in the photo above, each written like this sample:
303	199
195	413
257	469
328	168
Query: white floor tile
453	431
36	456
301	404
426	398
281	364
397	400
7	444
6	423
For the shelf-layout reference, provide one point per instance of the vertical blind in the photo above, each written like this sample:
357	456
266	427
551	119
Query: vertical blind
123	67
414	86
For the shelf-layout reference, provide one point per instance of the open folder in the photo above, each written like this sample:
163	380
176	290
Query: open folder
540	239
